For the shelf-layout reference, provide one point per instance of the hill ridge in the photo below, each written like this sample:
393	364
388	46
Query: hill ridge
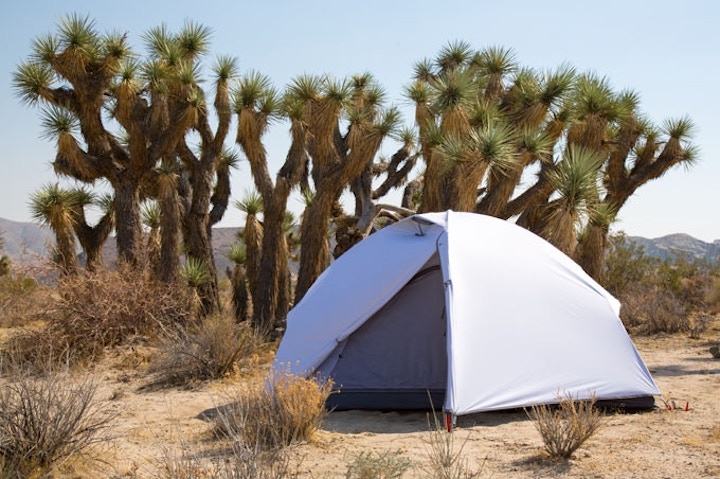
23	239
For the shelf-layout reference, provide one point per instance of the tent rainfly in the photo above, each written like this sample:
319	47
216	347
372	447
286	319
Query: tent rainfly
466	311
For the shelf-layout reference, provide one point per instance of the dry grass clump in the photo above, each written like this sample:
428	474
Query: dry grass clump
18	298
93	311
566	427
210	349
242	462
445	457
289	412
45	420
372	465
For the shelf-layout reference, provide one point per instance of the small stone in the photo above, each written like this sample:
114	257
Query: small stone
715	351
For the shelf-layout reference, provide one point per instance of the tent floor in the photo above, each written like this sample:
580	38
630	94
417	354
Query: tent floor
387	399
424	400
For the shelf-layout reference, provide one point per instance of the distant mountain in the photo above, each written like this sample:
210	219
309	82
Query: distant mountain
679	244
25	241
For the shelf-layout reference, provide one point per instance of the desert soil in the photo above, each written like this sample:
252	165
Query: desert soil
663	443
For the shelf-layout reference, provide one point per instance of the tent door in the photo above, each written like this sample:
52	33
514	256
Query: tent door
398	358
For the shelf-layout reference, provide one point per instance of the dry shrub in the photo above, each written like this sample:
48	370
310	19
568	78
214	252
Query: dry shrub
210	349
289	412
242	462
566	427
45	420
661	296
93	311
19	299
371	465
445	458
648	309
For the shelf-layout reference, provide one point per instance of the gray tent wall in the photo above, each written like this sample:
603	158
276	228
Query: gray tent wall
398	358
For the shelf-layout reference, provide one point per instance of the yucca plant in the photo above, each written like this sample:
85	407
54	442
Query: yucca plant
195	272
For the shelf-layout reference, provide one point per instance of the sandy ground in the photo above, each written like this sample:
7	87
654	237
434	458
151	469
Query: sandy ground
154	425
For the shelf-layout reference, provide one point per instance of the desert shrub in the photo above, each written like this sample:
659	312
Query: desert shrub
4	259
209	349
254	462
241	462
660	296
4	265
289	412
93	311
445	457
20	298
646	310
626	264
375	465
566	427
45	420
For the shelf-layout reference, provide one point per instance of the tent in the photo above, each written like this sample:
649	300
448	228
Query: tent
462	310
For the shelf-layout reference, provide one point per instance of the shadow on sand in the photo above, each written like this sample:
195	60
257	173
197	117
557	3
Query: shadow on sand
398	422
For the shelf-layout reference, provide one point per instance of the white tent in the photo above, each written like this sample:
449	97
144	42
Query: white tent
476	311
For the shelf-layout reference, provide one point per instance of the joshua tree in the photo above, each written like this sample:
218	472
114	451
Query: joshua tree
92	238
73	72
337	159
238	277
483	121
153	106
55	207
256	104
150	212
252	237
63	210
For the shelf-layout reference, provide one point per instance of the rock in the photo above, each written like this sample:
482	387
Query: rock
715	351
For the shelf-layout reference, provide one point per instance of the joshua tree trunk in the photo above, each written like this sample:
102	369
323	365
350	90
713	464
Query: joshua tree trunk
169	235
315	246
240	293
92	239
128	224
67	257
591	250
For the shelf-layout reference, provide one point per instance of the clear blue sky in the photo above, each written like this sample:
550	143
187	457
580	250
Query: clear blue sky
669	52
